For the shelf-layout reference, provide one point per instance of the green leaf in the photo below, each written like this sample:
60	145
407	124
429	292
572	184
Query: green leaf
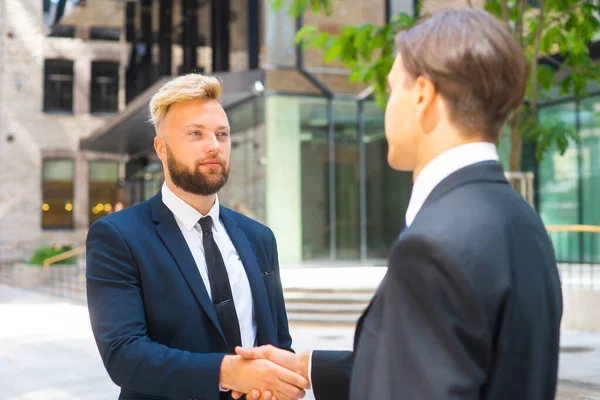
333	51
277	4
402	21
545	76
494	8
306	33
356	75
321	40
348	52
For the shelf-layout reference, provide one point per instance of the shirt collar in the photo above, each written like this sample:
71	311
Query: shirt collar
441	167
186	214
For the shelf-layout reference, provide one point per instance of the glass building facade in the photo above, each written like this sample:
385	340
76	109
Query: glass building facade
569	184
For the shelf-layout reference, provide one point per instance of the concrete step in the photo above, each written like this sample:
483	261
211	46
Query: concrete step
321	308
326	306
323	318
328	296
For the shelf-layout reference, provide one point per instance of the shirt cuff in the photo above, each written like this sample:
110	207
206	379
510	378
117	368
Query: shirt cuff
223	390
310	368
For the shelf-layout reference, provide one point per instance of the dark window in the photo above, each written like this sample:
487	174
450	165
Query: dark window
103	33
58	85
57	193
105	86
63	31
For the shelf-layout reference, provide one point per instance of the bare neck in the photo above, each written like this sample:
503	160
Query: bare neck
435	145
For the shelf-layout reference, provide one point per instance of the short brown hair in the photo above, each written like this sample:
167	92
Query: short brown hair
474	62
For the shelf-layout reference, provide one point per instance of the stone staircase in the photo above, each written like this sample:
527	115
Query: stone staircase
335	296
326	306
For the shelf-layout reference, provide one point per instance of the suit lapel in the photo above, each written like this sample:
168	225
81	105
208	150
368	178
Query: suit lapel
171	235
264	319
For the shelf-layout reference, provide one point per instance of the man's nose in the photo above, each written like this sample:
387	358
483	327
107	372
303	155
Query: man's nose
212	144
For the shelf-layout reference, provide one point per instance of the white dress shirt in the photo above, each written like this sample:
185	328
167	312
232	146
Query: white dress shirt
187	219
434	173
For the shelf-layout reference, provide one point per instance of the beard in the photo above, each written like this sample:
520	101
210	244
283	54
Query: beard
196	181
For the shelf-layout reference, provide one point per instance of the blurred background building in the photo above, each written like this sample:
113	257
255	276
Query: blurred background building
309	151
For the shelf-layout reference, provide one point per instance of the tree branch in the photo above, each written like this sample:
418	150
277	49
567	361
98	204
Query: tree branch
504	6
553	61
537	45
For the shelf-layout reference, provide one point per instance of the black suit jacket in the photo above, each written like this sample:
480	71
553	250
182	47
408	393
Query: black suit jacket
156	329
470	307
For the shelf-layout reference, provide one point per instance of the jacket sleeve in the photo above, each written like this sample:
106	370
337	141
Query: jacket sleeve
330	375
117	314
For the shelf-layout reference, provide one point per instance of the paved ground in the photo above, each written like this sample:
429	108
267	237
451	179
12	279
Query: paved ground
47	352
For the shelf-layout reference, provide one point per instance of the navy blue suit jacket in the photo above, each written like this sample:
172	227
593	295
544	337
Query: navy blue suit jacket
154	323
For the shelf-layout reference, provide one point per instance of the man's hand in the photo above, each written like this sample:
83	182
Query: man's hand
243	375
297	363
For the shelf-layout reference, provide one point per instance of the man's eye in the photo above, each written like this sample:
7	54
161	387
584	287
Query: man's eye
195	133
224	134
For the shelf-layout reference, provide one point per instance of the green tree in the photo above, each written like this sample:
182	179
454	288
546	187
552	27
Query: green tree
554	35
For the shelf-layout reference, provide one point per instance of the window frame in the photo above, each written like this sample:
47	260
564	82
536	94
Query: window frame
97	104
47	100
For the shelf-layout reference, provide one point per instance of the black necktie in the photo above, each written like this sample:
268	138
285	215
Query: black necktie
219	286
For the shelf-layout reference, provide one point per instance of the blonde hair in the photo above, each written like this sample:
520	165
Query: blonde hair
182	88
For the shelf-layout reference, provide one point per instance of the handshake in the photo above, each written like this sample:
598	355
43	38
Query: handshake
265	373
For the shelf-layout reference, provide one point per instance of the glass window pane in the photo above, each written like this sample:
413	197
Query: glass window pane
58	85
245	188
104	93
558	185
314	183
589	133
57	194
347	196
104	189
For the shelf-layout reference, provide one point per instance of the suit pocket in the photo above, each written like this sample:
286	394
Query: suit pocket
269	280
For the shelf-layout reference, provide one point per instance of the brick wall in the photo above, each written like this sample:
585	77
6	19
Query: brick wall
36	134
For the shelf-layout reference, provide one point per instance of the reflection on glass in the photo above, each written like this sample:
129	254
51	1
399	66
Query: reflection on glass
558	174
388	191
314	170
589	134
57	193
347	195
558	185
104	189
245	189
299	183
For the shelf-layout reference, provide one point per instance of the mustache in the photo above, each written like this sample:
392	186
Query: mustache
220	160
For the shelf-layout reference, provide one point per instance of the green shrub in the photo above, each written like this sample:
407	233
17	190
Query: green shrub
44	252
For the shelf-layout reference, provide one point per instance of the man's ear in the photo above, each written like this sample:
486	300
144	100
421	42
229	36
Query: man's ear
424	96
160	147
